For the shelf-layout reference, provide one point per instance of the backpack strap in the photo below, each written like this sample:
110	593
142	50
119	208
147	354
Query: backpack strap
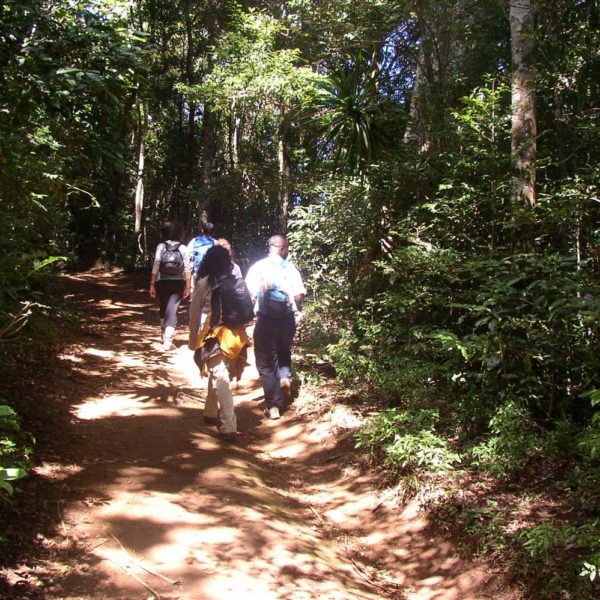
216	305
215	308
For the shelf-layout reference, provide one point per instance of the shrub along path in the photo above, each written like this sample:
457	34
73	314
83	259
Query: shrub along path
134	497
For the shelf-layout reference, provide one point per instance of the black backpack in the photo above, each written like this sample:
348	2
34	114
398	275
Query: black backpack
171	262
233	302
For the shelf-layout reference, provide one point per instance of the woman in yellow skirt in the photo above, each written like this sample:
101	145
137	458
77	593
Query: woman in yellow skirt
219	350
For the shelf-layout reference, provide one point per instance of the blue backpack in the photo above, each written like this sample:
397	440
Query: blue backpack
274	302
200	246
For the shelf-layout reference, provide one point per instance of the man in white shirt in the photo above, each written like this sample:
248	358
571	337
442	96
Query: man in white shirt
277	288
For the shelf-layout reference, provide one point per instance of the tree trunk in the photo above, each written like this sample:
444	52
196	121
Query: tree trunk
139	188
209	148
234	135
189	67
441	45
284	172
416	132
524	124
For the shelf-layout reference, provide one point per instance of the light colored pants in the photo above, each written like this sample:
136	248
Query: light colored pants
219	395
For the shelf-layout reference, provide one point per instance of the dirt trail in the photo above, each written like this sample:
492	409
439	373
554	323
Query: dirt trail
155	504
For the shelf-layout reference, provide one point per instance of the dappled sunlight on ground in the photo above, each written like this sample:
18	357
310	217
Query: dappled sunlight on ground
122	405
157	504
57	471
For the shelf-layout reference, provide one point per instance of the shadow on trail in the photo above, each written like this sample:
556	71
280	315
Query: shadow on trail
135	468
131	476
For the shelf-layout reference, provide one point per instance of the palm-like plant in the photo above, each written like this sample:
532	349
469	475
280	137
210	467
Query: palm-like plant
349	113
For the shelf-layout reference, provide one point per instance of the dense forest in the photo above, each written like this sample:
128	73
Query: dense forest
434	164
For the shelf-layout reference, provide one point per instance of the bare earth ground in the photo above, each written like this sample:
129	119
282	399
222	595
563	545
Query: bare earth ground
136	497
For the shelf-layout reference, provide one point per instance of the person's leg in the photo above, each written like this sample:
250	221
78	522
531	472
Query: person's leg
162	291
211	406
285	336
284	357
174	293
220	375
162	300
265	352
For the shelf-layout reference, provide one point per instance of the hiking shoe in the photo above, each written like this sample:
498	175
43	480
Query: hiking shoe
273	413
286	389
230	436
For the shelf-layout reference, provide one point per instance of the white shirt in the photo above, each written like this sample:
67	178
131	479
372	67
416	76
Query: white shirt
161	249
270	268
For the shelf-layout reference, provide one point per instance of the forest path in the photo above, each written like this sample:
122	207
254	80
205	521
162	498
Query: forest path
154	504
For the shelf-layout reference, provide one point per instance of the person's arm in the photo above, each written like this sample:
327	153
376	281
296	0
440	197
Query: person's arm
186	272
298	289
155	267
253	281
196	306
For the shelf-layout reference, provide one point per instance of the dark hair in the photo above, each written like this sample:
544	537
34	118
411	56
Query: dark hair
207	228
216	264
171	230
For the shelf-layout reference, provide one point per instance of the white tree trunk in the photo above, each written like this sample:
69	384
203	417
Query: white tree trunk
284	171
139	188
234	135
524	123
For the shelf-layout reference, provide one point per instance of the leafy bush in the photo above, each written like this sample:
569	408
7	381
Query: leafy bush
408	441
543	542
589	440
14	454
512	436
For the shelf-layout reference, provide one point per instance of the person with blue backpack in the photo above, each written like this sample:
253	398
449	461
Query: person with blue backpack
170	279
277	288
199	247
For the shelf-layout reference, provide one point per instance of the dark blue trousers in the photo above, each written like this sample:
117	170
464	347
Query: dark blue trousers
273	353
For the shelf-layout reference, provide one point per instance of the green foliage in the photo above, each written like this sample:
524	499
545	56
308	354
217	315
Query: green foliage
487	526
350	111
512	437
249	69
408	441
67	71
14	452
546	540
589	440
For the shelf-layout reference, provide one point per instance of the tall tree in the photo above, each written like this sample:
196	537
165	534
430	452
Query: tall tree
524	122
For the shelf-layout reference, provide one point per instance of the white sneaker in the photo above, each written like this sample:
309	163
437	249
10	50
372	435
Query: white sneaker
168	335
273	413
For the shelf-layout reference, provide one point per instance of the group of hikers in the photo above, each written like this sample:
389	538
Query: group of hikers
223	304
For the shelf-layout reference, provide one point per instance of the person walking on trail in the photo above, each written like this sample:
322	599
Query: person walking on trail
277	288
237	272
199	247
170	279
218	335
